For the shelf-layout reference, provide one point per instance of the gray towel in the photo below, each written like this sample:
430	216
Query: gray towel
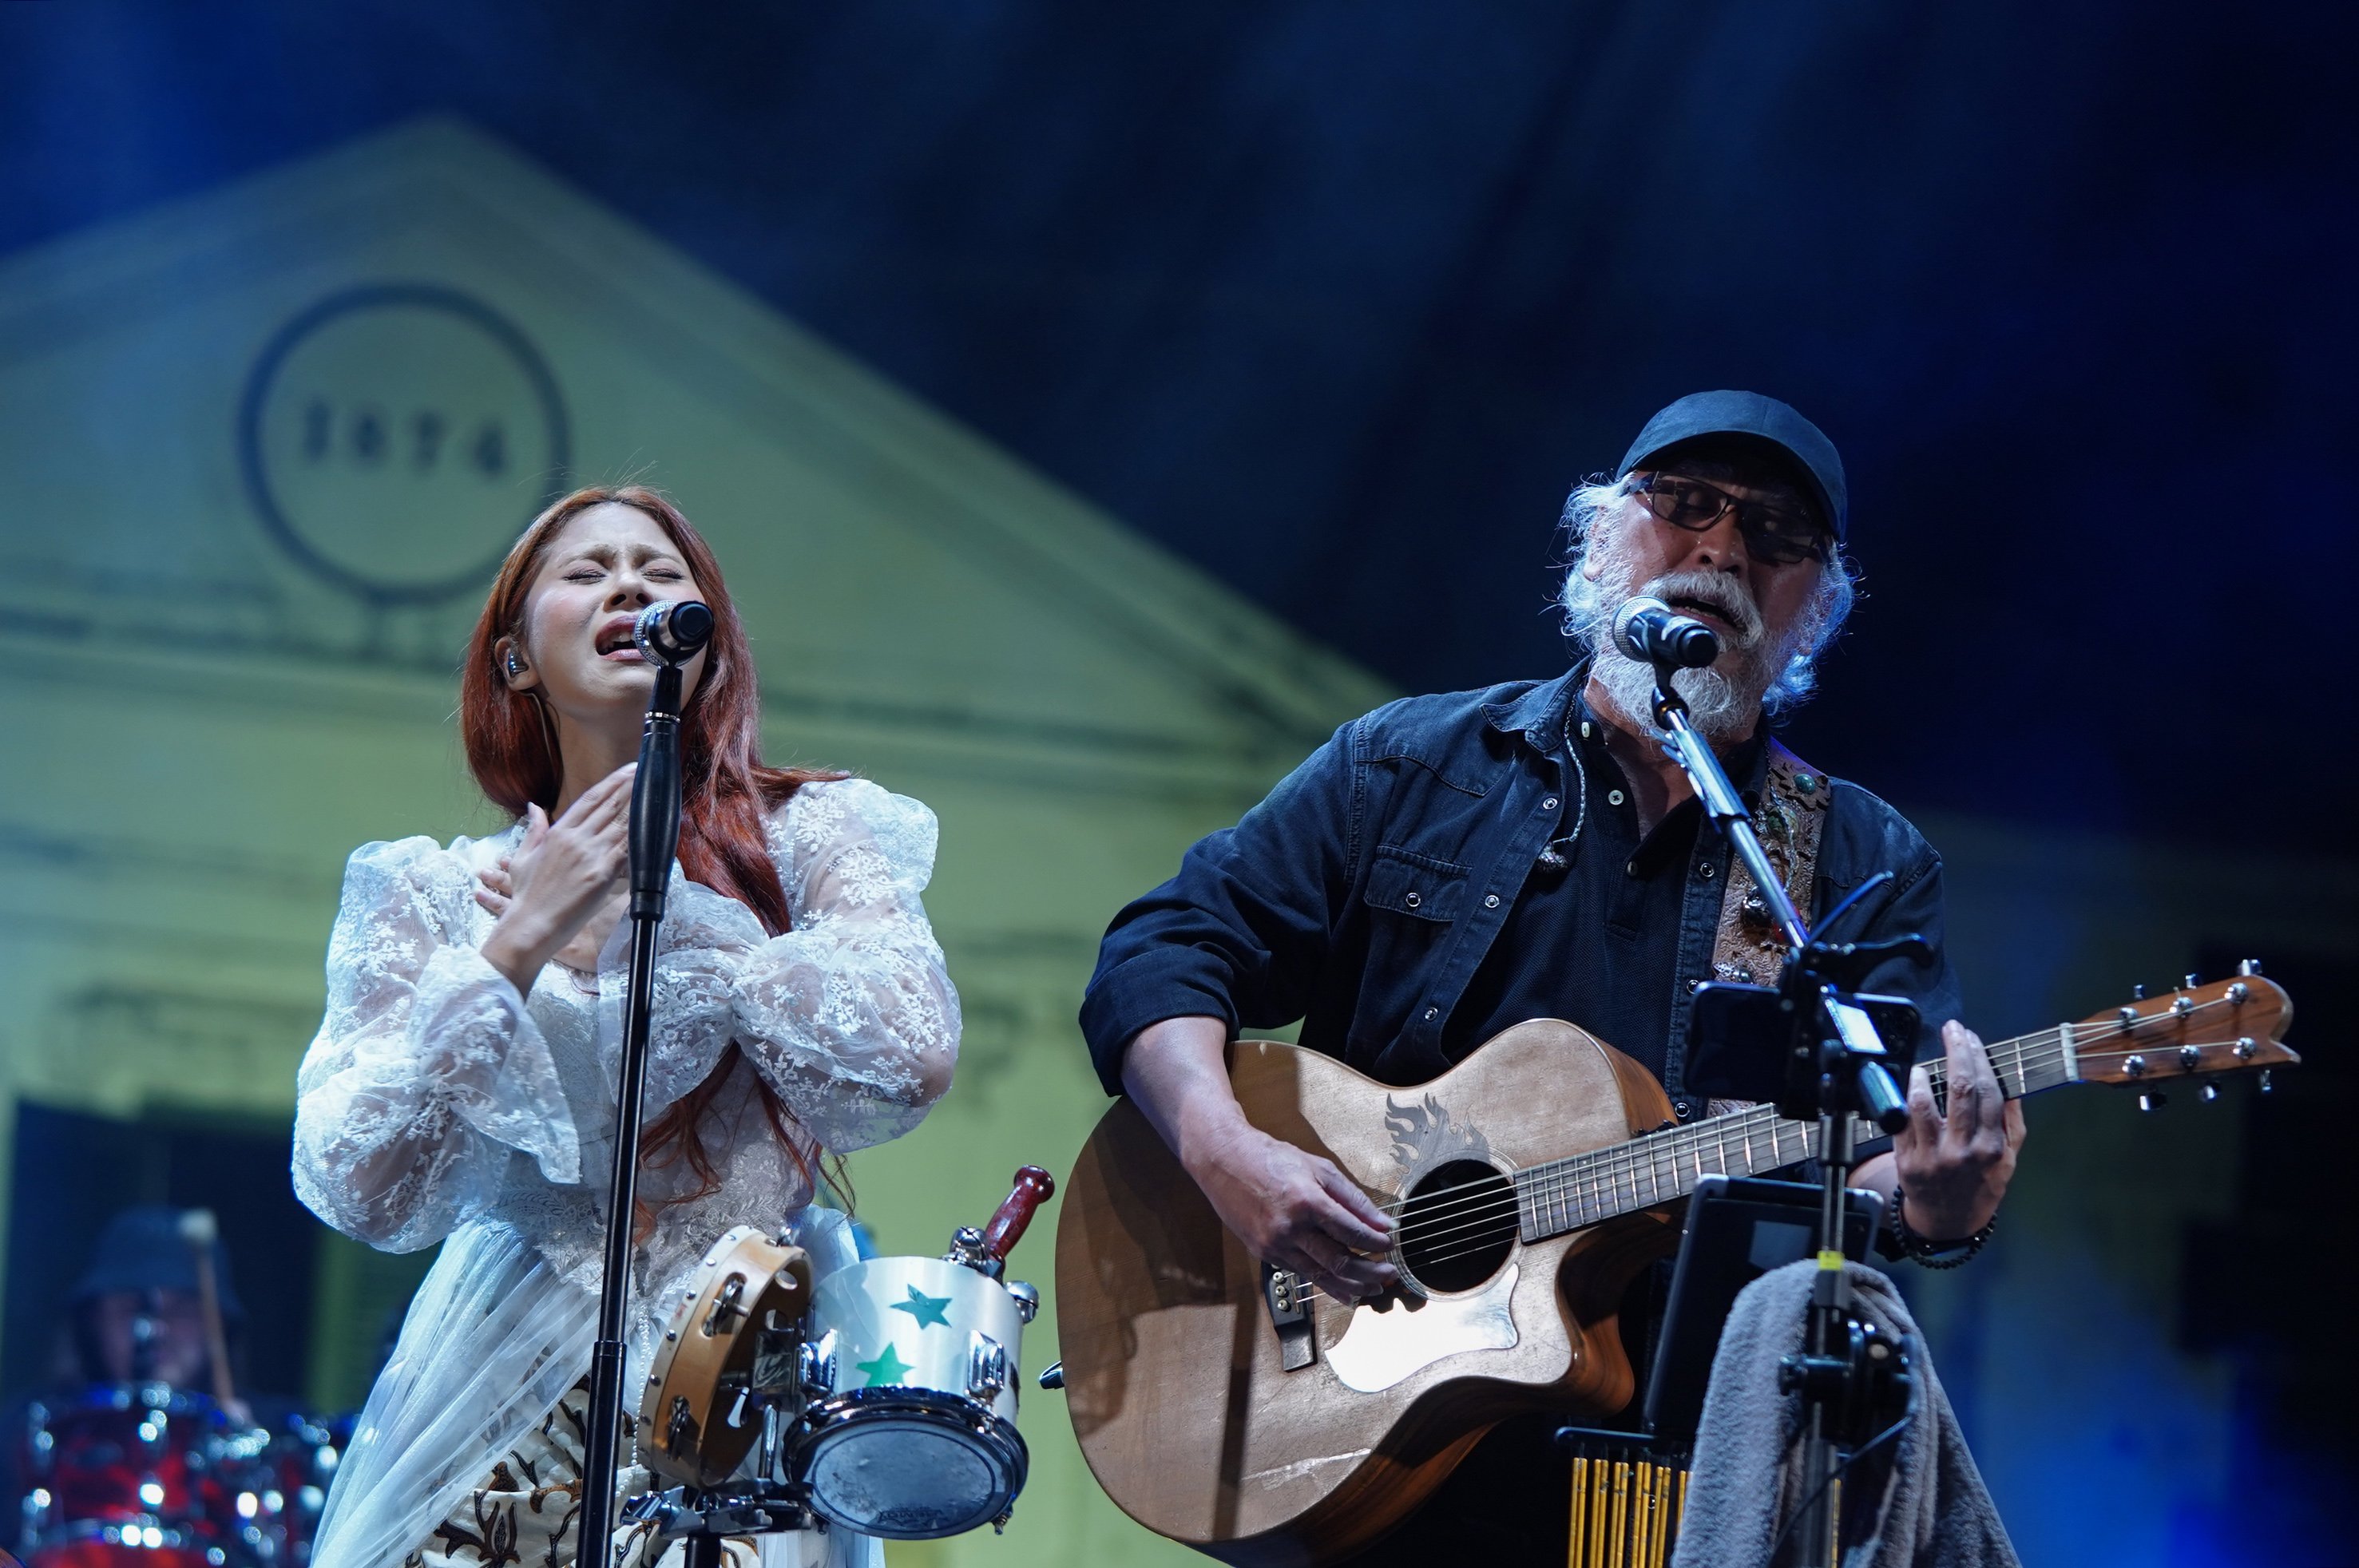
1917	1502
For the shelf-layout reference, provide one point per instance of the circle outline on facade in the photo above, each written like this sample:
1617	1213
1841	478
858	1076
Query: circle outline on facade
378	295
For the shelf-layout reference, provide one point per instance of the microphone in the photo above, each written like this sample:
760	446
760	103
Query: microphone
671	633
1653	632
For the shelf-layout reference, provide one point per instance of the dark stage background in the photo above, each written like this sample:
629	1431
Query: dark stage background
1335	300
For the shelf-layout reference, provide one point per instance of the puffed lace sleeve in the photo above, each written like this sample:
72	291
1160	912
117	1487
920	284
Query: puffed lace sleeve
428	1072
851	1015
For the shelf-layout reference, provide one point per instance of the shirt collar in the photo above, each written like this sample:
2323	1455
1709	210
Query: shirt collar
1543	715
1539	715
1747	766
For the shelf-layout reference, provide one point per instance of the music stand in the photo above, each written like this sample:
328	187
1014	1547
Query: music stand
1738	1229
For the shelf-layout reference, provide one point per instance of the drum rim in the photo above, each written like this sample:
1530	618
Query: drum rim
126	1399
829	1419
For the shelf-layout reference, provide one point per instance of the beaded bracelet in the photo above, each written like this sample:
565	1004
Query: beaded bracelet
1926	1253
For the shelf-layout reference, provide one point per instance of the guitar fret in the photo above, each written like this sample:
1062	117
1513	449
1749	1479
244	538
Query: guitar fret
1569	1193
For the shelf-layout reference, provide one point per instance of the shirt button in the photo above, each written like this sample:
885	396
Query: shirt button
1584	728
1549	804
1430	1013
1490	900
1694	986
1613	798
1631	870
1705	871
1412	901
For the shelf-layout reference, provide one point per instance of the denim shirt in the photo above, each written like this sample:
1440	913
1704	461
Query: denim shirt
1361	895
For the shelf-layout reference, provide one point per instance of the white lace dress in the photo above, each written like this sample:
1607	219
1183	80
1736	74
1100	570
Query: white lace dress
438	1105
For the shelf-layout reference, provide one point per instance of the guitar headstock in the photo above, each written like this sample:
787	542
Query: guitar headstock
2197	1031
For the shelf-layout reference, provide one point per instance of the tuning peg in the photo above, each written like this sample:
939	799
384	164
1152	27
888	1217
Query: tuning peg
2209	1093
2138	993
2249	967
2190	982
2153	1102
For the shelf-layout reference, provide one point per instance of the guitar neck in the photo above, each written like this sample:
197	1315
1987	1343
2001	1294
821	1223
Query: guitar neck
1648	1171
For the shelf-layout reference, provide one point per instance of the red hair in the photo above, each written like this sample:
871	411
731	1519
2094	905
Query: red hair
725	792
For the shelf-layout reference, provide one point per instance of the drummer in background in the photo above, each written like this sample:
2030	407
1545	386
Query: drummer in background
135	1316
461	1086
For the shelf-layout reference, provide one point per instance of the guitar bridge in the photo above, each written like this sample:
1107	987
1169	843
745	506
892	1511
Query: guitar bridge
1288	1300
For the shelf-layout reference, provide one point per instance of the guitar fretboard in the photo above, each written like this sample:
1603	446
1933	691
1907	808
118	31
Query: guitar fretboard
1623	1178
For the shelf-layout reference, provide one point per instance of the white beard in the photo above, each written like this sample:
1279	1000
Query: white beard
1724	699
1721	711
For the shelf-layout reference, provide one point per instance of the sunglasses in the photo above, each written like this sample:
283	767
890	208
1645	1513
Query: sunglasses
1776	535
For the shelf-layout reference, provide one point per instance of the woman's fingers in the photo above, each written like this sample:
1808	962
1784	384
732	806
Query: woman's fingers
607	797
496	903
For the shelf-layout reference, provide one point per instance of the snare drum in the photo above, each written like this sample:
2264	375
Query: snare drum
910	1429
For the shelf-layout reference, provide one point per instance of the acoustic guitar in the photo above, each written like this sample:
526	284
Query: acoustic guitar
1231	1407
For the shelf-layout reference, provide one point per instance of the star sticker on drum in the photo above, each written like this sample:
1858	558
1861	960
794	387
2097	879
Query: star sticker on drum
886	1369
925	1309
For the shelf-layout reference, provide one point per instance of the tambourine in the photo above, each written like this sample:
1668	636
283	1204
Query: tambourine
734	1341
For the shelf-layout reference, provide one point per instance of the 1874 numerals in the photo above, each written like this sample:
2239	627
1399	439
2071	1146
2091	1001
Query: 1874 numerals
370	437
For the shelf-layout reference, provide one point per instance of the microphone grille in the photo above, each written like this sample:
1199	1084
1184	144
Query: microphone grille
692	622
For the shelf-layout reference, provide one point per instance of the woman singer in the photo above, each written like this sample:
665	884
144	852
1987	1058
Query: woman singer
462	1086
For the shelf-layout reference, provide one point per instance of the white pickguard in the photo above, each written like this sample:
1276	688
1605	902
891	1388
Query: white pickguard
1380	1349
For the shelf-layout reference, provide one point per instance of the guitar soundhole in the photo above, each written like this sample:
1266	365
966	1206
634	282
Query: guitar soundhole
1458	1225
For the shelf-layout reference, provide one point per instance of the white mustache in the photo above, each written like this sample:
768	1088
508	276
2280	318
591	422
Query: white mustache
1716	591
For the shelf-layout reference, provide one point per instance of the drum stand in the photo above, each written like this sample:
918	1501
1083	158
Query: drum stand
655	836
1833	1058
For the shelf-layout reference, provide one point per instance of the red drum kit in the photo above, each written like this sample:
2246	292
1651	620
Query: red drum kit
879	1399
147	1476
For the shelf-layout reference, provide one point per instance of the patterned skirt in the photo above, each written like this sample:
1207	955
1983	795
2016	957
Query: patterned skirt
528	1511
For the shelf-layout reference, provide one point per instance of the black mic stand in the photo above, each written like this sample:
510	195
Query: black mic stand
1834	1070
655	836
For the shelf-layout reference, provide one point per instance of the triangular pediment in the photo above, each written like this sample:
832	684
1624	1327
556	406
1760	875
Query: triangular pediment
297	418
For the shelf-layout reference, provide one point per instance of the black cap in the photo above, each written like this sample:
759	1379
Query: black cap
144	1248
1750	413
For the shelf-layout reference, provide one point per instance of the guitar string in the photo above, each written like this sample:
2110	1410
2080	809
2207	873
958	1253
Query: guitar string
1598	1199
1607	1166
2029	1053
1603	1176
1711	1131
1595	1180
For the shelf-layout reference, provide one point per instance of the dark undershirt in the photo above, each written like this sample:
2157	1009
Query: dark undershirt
1596	943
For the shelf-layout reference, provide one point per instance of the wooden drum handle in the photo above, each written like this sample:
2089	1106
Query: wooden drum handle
1034	1186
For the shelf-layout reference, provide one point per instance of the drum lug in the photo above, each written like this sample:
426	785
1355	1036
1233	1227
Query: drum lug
968	1251
1028	1299
986	1374
819	1363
